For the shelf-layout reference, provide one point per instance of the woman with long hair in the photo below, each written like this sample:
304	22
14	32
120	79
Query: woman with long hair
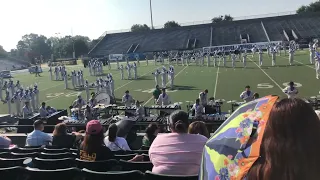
198	127
114	142
92	148
151	133
177	153
290	145
62	139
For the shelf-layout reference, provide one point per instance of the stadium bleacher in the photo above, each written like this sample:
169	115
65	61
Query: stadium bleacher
198	36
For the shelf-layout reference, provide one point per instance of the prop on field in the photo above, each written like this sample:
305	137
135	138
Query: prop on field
228	154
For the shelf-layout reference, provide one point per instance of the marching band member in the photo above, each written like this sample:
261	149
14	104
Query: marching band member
317	64
164	98
208	62
109	66
78	103
90	67
36	92
312	54
164	74
197	108
16	100
11	87
253	50
18	85
107	87
134	67
171	76
56	73
247	95
127	99
215	57
21	94
1	88
203	97
50	71
32	99
93	102
8	101
97	85
111	84
291	56
61	73
78	78
138	59
81	78
156	76
128	68
51	110
26	110
121	71
244	59
117	59
140	112
224	59
147	61
273	56
260	56
155	59
43	111
291	91
233	60
73	79
65	77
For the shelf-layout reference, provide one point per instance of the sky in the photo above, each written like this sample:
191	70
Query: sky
93	17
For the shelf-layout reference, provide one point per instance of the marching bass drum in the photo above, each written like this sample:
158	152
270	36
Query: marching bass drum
103	98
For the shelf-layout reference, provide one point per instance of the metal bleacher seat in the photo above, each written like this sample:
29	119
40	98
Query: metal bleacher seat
12	173
39	174
53	163
24	155
8	162
100	166
141	166
56	155
125	157
119	175
54	150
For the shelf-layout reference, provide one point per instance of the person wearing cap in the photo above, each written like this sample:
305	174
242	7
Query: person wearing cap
92	147
203	97
164	98
291	91
127	99
247	95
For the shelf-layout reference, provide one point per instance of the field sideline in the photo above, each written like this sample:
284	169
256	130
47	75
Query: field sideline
222	83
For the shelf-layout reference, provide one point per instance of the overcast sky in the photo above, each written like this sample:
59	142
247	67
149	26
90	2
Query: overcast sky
93	17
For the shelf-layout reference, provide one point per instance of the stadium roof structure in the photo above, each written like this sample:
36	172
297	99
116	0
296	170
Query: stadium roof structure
278	28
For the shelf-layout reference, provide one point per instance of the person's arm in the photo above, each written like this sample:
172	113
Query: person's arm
125	145
242	95
5	141
159	100
47	137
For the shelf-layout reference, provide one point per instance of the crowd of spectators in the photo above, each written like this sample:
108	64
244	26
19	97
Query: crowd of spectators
288	149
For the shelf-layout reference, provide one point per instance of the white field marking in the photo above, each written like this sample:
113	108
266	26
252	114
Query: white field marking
216	84
115	89
166	84
300	63
267	75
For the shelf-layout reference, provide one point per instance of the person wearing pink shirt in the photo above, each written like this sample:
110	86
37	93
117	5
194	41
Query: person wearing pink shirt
177	153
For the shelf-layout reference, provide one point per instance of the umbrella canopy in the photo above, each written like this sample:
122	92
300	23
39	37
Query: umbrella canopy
235	146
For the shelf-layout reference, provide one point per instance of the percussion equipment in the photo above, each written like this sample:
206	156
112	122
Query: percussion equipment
166	107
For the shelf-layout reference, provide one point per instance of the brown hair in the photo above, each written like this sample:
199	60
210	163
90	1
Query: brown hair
60	129
112	132
92	142
151	129
290	145
198	127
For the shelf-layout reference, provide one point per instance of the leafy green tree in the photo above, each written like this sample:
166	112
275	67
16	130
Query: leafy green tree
3	53
218	19
312	7
171	24
139	28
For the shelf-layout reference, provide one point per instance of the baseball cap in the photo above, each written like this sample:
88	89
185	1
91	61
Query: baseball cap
93	127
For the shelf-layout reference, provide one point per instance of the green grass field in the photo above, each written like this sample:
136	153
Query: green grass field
222	83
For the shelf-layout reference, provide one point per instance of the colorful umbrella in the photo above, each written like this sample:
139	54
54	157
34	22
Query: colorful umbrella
235	146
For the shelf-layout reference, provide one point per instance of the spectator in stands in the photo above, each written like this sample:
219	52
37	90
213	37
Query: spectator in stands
115	143
62	139
177	153
290	145
156	93
43	111
37	137
198	127
151	133
4	142
92	148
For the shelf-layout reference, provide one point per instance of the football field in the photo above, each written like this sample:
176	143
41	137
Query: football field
222	83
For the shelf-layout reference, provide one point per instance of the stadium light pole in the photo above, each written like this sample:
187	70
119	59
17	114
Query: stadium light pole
151	14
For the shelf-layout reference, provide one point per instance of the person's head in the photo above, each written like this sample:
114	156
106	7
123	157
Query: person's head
290	144
60	129
94	136
43	104
137	103
157	86
256	96
179	121
163	90
152	130
93	94
27	103
88	108
126	92
247	88
112	132
79	97
198	127
197	101
206	91
48	108
291	83
38	125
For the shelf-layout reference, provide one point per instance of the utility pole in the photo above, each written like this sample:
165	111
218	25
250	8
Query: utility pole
151	14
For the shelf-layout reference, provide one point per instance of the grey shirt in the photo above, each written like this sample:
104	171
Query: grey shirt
4	142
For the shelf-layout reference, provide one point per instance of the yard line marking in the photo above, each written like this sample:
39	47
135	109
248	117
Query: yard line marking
304	64
166	85
114	90
216	84
267	74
